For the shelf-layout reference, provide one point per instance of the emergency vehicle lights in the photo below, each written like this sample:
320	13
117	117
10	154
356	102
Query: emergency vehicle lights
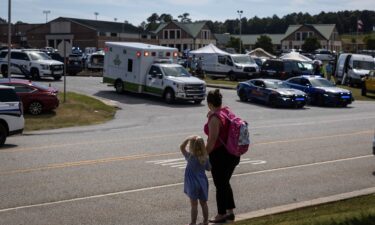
175	54
106	49
139	54
147	54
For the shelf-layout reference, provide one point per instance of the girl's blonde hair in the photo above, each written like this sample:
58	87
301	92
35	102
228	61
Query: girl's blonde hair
198	149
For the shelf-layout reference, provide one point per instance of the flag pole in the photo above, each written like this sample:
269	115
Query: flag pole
357	36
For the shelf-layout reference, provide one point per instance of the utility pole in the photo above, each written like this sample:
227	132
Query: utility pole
46	12
240	14
9	38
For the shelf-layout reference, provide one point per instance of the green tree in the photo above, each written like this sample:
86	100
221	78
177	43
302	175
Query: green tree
370	43
264	42
311	44
235	43
184	18
166	18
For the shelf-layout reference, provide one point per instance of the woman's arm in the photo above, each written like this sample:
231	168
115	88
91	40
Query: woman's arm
214	129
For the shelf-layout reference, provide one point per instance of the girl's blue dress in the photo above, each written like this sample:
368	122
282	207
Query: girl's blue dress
196	182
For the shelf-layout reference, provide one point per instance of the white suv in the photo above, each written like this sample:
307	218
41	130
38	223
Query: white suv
31	63
11	114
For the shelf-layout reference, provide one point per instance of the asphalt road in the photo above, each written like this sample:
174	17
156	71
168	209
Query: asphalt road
130	171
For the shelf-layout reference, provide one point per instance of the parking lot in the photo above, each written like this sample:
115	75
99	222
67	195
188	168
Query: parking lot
129	170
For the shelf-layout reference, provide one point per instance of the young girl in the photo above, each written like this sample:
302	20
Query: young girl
196	182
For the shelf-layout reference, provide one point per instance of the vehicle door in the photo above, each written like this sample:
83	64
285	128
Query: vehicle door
370	82
221	66
259	91
155	83
26	93
20	62
269	69
295	83
306	86
229	64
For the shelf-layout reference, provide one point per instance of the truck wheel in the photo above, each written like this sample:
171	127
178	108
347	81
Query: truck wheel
35	74
232	76
35	108
169	96
4	71
3	134
57	77
119	86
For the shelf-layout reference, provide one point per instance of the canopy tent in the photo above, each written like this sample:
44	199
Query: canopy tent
260	53
296	56
207	50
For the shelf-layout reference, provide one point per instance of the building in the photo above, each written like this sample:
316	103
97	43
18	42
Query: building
249	41
19	31
84	33
184	35
326	34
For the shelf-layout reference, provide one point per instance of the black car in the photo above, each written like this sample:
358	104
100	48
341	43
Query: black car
284	69
74	62
272	92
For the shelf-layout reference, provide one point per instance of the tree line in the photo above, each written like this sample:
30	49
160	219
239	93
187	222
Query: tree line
346	22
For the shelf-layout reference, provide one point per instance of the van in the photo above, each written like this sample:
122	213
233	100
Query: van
351	68
150	69
233	66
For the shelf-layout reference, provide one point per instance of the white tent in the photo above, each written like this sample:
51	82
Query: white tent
207	50
260	53
296	56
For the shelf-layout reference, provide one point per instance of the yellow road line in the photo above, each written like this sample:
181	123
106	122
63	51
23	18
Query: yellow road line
143	156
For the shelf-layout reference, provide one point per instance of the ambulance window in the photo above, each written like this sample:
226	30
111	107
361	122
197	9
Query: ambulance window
130	65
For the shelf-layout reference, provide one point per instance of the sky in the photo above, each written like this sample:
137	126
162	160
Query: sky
136	11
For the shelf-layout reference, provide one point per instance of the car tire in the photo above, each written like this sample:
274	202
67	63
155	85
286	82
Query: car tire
242	96
232	76
35	74
119	86
169	96
319	100
4	71
35	108
3	134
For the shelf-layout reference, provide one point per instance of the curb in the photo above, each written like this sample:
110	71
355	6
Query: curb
222	86
304	204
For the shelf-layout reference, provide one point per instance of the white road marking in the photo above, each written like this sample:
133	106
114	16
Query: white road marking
174	185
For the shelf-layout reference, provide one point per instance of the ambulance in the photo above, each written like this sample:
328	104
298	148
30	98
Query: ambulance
150	69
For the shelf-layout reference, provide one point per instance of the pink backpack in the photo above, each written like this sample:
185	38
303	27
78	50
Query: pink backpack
238	140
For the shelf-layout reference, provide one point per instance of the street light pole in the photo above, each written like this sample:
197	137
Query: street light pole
240	14
96	15
9	38
46	12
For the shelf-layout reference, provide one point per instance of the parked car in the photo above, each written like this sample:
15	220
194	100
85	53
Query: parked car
31	63
74	63
321	91
11	113
284	69
36	98
95	61
323	55
368	84
271	91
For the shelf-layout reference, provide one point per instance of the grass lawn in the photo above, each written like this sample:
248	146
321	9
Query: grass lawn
78	110
356	211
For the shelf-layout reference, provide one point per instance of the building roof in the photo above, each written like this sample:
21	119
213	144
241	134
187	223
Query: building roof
324	29
192	29
222	39
253	38
105	26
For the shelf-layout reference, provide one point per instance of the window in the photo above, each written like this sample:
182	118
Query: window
165	34
305	82
154	71
113	34
8	95
178	34
221	59
23	89
298	36
3	54
130	65
19	56
205	34
304	35
295	81
172	34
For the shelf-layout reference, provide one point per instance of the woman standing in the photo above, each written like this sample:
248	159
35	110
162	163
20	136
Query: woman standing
223	163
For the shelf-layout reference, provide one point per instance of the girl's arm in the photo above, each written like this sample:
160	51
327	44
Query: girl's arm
214	129
183	146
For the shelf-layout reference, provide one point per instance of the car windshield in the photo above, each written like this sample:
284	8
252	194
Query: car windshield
321	83
275	84
363	65
242	59
176	71
40	86
306	65
39	56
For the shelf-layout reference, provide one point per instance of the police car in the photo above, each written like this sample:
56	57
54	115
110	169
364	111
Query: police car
11	113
